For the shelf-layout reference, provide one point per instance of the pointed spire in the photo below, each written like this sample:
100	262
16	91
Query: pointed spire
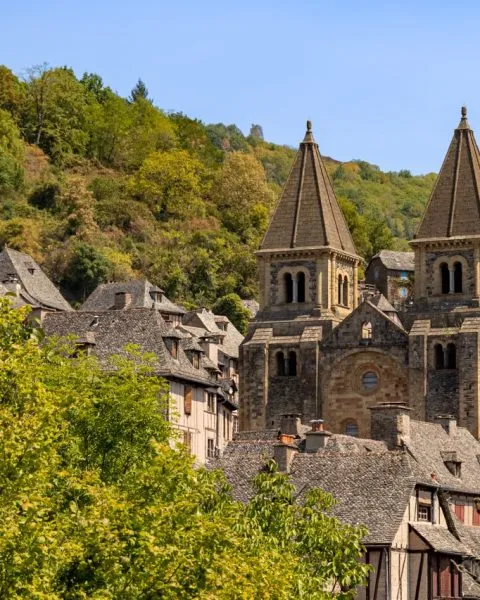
308	214
454	205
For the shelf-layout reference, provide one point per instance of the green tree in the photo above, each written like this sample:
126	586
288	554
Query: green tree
11	153
232	307
140	91
170	183
86	269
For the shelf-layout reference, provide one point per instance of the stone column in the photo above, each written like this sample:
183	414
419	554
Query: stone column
451	280
295	288
333	279
355	286
476	266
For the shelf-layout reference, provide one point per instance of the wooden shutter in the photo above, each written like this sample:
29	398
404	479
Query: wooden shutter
187	400
476	517
460	511
445	577
187	440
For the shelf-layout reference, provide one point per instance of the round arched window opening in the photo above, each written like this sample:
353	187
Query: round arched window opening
369	380
351	428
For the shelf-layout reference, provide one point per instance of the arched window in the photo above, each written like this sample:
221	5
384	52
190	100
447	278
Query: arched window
292	363
300	287
366	331
288	282
445	277
451	357
369	380
280	364
340	290
351	428
345	291
457	278
439	359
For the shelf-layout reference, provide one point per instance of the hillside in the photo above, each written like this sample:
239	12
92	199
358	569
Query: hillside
98	187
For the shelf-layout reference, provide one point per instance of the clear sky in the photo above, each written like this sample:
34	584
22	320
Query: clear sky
382	81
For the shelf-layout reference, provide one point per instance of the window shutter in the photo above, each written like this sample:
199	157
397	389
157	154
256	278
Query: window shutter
460	511
187	440
187	400
476	517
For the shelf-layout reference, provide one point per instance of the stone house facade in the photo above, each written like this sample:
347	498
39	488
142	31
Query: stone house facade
316	349
391	273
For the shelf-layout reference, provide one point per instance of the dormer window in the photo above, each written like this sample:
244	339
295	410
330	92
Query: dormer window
196	360
174	348
424	506
452	462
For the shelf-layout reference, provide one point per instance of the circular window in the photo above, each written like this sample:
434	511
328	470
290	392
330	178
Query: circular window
403	292
369	380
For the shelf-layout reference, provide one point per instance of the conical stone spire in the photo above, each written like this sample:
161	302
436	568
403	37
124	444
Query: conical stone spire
454	206
308	214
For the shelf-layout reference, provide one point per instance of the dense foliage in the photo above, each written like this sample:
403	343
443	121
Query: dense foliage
99	187
95	503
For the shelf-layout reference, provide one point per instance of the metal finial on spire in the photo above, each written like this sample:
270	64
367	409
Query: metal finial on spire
309	127
464	112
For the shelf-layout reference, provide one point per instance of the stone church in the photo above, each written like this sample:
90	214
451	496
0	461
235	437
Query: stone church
319	350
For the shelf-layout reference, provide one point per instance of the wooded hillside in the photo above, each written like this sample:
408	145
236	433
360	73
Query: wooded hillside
98	187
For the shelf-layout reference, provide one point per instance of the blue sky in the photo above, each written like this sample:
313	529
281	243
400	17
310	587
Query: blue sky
381	81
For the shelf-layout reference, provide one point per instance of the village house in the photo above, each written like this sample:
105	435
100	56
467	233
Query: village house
391	273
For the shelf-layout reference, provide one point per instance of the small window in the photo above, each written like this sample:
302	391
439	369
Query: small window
292	363
288	283
196	360
210	448
369	380
340	290
403	275
187	440
211	402
174	348
280	364
351	428
451	357
345	291
402	292
424	513
187	400
445	278
376	273
439	357
457	278
366	331
300	287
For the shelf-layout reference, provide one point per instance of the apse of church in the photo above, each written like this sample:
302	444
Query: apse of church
314	350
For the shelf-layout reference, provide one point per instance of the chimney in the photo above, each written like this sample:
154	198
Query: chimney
390	422
284	451
317	437
290	424
449	423
122	300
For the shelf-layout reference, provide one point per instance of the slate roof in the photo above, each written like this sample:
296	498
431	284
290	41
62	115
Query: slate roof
396	260
36	288
116	328
454	205
308	214
439	538
371	488
381	303
426	444
103	297
203	322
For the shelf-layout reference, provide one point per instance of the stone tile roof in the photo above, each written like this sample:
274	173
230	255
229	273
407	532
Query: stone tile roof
426	444
308	214
116	328
371	488
381	303
207	321
396	261
454	205
439	538
36	288
470	586
103	297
